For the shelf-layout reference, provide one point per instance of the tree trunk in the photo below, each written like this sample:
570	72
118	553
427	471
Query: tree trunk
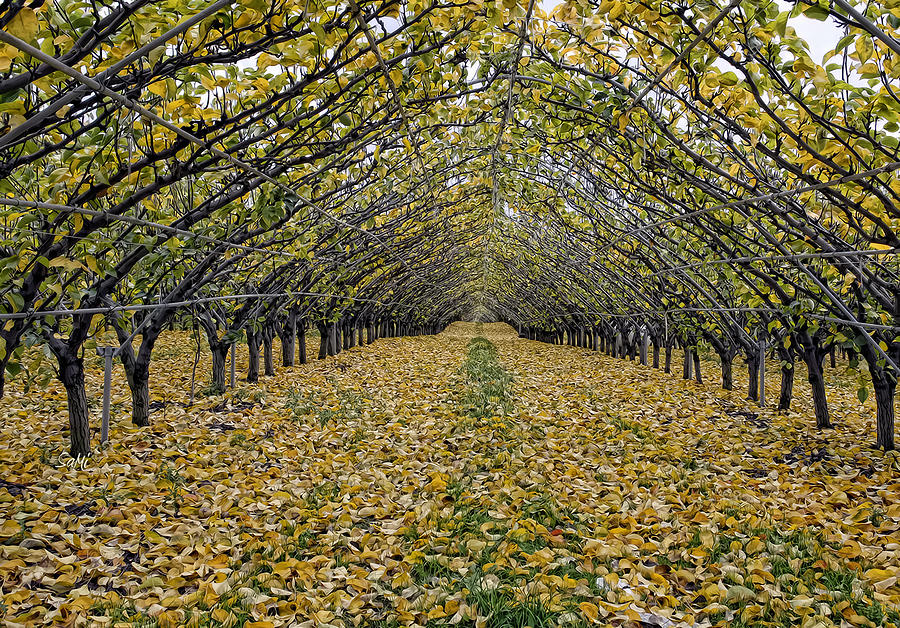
816	378
334	345
139	383
884	385
301	342
727	376
71	374
324	340
253	349
688	365
655	341
288	337
753	375
137	367
787	378
268	358
219	352
668	367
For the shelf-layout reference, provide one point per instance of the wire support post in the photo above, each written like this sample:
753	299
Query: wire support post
233	366
107	353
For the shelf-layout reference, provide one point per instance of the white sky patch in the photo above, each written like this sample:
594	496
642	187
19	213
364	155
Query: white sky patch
821	36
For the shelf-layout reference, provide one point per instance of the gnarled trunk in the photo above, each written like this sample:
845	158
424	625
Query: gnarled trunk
219	352
335	335
218	349
71	374
288	335
753	375
813	355
268	358
726	357
696	357
301	343
787	378
139	383
324	340
885	384
253	350
727	361
137	369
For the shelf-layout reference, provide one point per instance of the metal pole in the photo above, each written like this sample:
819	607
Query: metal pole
107	354
232	365
644	352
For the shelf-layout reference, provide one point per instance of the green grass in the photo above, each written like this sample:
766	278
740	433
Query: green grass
505	609
346	406
797	560
123	612
488	392
429	570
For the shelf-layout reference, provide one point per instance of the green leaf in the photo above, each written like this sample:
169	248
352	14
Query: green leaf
816	13
319	31
728	79
781	23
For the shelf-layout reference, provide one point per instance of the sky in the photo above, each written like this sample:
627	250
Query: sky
821	36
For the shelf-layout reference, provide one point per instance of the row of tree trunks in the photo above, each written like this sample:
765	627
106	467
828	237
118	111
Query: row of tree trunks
812	348
137	363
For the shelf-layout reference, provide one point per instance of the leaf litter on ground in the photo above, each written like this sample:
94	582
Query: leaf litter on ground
394	485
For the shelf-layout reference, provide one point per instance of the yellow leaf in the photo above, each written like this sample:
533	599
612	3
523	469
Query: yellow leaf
879	574
24	25
159	88
9	529
591	611
755	546
359	583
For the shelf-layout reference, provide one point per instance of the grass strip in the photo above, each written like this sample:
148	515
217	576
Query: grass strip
488	390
